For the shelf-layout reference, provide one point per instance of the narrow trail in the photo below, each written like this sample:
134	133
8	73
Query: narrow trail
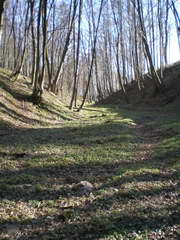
151	136
149	141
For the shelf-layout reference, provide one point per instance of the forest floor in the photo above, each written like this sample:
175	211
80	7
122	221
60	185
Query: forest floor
131	158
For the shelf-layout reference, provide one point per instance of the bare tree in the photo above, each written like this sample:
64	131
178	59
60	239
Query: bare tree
40	70
93	56
19	64
32	13
177	19
2	2
74	93
87	49
54	87
155	77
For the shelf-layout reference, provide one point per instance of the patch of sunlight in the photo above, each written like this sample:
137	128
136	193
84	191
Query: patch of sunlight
136	171
143	171
127	121
168	149
17	211
147	188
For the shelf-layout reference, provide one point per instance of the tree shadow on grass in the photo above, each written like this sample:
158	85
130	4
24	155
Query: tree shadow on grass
54	111
79	135
21	184
88	139
17	116
92	110
16	93
122	222
95	218
24	97
64	225
23	118
62	176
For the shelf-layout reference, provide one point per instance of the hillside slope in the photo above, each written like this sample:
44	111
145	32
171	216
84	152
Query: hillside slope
17	109
171	81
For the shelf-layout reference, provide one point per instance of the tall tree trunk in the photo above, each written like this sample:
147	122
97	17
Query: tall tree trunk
33	42
36	89
54	87
177	20
2	2
93	57
74	94
19	66
155	77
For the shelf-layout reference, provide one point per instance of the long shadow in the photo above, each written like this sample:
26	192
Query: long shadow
98	226
23	96
64	227
55	112
13	103
92	110
17	116
141	177
86	136
47	176
13	184
15	93
145	115
23	118
21	185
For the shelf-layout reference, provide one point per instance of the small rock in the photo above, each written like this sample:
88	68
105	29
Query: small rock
113	189
22	186
83	186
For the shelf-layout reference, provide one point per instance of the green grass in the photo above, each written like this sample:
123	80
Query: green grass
133	167
131	157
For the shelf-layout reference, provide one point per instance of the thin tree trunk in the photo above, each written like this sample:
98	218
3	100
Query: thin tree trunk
2	2
18	69
33	42
93	55
37	92
54	88
155	77
74	94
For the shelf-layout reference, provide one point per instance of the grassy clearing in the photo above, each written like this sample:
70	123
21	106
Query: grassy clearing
130	157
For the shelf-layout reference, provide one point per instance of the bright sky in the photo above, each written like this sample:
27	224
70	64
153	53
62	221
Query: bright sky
174	49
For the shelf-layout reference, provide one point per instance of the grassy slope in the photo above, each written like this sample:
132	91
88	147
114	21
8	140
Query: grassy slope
16	107
131	158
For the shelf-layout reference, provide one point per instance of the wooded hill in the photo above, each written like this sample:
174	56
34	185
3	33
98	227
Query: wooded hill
146	96
16	106
16	100
89	49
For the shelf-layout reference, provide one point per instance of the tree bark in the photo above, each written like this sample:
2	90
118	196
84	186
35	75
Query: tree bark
2	2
